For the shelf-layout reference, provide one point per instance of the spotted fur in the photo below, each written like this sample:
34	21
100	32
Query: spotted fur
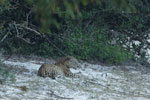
62	67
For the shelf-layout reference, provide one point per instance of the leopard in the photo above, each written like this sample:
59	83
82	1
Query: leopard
61	67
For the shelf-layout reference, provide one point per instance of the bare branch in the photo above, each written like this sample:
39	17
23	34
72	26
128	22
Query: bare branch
16	29
42	35
5	36
27	17
25	40
55	46
30	29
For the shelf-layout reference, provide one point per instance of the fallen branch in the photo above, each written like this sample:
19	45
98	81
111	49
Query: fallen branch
57	96
6	58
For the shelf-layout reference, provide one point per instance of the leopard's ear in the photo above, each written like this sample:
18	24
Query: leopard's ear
69	57
62	60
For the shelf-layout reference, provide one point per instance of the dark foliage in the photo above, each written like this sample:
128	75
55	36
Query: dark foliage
97	31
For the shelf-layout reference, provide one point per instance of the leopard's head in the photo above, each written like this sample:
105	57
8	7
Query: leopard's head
72	62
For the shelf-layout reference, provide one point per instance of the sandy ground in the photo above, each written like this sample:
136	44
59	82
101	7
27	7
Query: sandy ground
96	82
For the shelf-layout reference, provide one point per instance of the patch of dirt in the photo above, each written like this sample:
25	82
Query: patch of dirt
97	82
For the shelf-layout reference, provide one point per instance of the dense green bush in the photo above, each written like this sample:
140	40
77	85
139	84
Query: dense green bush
46	49
93	44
